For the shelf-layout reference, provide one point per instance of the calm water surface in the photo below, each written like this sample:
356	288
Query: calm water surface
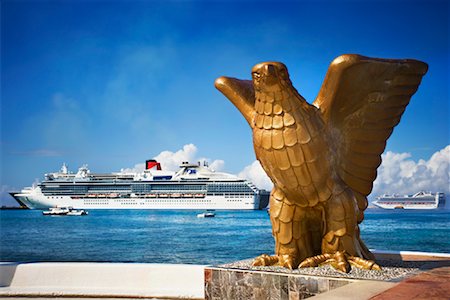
180	237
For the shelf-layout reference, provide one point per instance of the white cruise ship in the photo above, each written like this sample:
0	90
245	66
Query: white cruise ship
192	187
420	200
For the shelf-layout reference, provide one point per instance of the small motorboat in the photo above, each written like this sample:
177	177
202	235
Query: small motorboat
56	211
207	214
77	212
64	211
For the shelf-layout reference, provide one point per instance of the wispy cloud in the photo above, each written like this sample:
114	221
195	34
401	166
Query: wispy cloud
39	152
139	75
61	125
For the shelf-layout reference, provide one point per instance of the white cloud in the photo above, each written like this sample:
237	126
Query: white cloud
171	161
400	174
257	176
138	168
397	174
217	165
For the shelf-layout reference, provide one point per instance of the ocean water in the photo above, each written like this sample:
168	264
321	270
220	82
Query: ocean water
152	236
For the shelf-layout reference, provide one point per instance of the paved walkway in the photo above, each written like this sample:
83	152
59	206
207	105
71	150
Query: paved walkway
430	285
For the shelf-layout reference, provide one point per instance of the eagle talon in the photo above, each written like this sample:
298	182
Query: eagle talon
265	260
341	261
363	263
314	261
286	261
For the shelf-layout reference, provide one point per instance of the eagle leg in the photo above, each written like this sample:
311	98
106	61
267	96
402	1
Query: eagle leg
341	237
290	231
363	263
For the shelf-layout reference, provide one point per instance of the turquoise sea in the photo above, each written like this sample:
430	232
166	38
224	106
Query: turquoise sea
180	237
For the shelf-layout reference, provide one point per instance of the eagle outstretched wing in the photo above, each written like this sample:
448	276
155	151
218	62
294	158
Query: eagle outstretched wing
361	100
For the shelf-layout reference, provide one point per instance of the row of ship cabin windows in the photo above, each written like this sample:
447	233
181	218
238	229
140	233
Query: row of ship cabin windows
227	195
145	189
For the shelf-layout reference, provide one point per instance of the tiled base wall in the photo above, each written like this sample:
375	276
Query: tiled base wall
223	283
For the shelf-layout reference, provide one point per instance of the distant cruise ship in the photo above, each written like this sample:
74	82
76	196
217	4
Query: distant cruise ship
420	200
192	187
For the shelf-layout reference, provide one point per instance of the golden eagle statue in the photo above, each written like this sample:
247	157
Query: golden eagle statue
323	158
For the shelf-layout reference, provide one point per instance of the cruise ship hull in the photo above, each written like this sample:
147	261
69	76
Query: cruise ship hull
192	187
33	199
420	200
404	206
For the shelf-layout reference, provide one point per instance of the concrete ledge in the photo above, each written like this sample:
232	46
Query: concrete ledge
7	271
410	255
102	280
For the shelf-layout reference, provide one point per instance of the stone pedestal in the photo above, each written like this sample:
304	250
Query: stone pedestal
224	283
240	280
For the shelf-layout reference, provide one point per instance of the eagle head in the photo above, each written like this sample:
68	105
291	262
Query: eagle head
269	76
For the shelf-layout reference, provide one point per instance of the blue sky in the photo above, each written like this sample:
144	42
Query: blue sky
113	83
